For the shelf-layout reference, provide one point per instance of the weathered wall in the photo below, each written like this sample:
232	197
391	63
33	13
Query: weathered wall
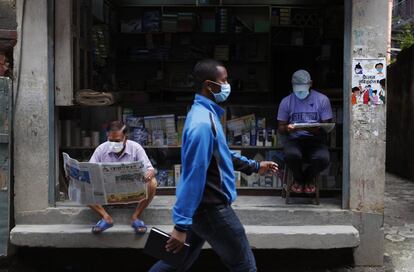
7	14
400	115
7	36
31	148
367	135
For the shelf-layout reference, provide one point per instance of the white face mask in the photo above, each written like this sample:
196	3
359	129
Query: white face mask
116	147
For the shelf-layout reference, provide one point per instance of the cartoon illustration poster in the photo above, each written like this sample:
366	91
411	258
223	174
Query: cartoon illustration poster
368	81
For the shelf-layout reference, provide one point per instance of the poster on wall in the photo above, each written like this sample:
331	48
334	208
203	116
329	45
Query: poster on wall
369	81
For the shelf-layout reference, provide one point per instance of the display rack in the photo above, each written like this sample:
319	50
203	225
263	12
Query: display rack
150	70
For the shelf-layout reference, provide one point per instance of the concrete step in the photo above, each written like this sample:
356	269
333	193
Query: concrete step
122	236
264	211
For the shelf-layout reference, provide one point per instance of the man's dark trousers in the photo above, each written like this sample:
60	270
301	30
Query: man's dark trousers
306	150
222	229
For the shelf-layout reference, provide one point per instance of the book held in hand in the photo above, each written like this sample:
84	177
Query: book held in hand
155	247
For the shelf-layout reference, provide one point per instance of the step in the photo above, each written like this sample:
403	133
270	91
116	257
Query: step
265	211
122	236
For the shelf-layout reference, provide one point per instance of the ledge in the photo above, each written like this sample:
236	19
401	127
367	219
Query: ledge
122	236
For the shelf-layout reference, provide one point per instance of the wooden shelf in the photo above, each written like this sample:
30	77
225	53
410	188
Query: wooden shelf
90	147
254	147
197	33
295	26
189	61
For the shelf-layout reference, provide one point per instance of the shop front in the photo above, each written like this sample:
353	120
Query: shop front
139	56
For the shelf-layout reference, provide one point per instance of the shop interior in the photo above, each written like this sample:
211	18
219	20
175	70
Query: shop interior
142	57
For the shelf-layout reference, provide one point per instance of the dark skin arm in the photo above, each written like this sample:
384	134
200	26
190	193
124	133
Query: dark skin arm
285	128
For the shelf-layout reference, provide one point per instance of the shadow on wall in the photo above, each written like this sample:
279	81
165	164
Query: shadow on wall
400	112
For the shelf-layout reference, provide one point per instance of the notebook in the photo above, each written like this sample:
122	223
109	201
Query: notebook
155	247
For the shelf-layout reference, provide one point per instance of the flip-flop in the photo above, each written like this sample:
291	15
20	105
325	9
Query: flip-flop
101	226
296	188
310	189
139	227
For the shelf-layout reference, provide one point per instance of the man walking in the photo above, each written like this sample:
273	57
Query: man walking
206	190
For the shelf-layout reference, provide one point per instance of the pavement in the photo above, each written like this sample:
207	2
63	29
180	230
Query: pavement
398	255
399	224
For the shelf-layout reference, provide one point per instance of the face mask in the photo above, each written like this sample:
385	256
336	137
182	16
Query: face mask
116	147
301	91
379	70
223	94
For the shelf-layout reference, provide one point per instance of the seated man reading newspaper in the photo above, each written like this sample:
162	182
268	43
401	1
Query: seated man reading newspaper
119	149
302	117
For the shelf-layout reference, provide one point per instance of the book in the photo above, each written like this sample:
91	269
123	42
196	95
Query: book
155	247
177	173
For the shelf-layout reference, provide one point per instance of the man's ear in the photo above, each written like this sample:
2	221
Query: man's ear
206	85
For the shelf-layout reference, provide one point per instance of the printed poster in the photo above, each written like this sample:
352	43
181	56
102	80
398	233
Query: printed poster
369	81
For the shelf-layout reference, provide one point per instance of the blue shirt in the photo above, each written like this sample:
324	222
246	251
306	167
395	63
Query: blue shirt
313	109
133	152
204	147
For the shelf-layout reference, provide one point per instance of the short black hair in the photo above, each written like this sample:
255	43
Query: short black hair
354	89
205	70
379	64
117	126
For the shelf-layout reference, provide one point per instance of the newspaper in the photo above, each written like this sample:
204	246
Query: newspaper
328	127
105	183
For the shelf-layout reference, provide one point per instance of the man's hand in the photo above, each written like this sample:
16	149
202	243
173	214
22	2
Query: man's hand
314	130
176	242
149	175
291	128
268	167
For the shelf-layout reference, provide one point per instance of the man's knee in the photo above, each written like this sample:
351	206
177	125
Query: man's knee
292	156
321	162
153	184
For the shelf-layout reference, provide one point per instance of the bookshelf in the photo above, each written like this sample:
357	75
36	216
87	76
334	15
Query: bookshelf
146	54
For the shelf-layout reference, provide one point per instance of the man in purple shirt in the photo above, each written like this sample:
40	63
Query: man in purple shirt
119	149
304	105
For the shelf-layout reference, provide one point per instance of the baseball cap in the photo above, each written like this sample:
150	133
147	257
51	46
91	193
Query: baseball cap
301	77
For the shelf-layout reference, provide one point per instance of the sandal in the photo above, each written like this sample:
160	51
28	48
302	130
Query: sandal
139	227
297	188
101	226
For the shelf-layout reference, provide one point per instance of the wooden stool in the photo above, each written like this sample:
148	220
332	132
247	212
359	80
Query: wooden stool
288	182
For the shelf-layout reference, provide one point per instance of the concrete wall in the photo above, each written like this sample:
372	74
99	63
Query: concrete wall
400	112
31	148
367	135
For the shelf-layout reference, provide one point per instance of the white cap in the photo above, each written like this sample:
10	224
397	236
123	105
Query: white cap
301	77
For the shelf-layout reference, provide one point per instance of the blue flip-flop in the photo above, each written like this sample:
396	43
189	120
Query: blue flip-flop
101	226
138	225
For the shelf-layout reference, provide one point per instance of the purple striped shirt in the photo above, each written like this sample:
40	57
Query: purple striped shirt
133	152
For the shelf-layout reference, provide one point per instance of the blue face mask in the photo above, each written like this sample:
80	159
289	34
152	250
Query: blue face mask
301	94
301	91
379	70
223	94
